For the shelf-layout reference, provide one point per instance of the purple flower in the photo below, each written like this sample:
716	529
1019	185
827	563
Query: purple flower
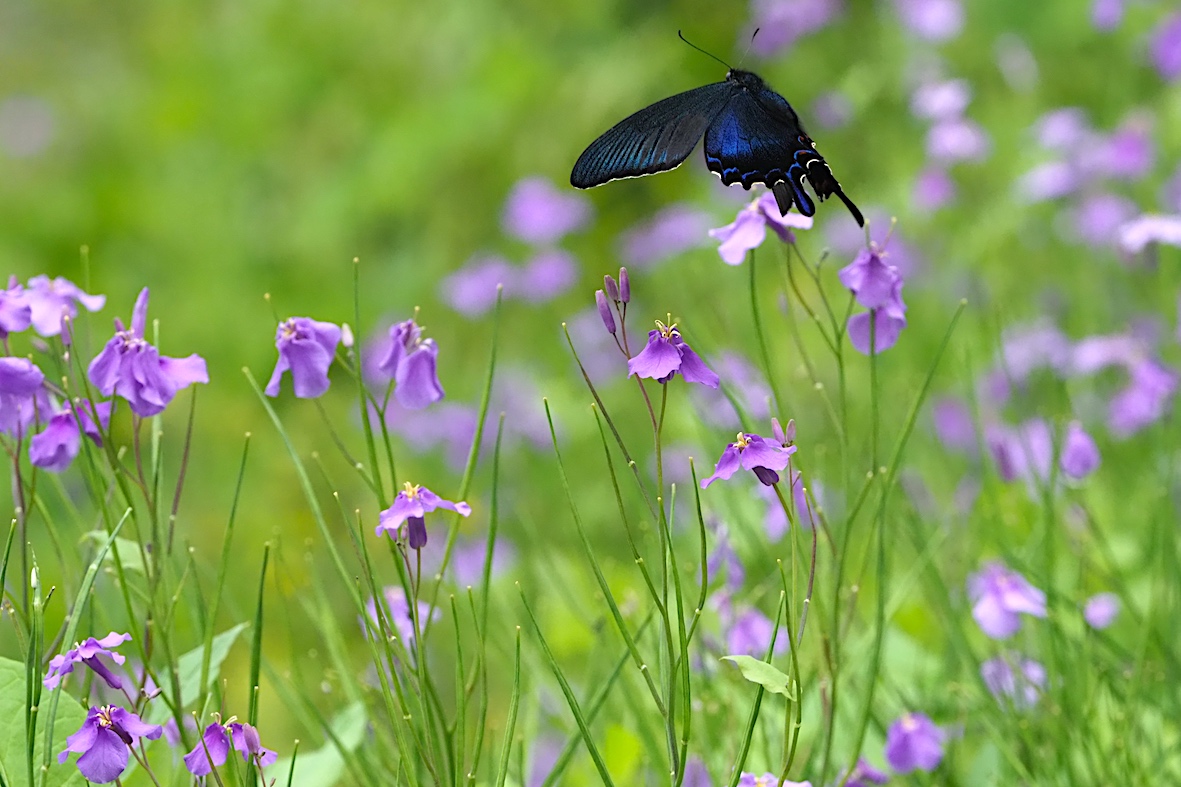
1061	130
941	100
749	451
887	326
933	189
306	349
1025	452
1047	181
872	282
22	395
749	634
57	445
411	361
748	230
1107	14
666	354
1145	399
1166	47
213	748
1098	217
132	368
675	229
88	653
876	286
1136	234
546	276
1101	609
538	213
722	555
1028	348
411	505
104	741
999	596
472	289
696	774
783	22
953	424
605	311
934	20
957	139
15	313
865	774
397	613
1080	455
1022	688
52	299
913	742
1128	154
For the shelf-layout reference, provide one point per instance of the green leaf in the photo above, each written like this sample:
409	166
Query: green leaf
188	668
130	554
324	766
764	674
13	750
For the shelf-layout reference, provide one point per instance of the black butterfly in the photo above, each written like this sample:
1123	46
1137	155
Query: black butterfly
752	135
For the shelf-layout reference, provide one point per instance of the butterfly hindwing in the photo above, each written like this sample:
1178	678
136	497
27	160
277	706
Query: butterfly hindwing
752	135
655	139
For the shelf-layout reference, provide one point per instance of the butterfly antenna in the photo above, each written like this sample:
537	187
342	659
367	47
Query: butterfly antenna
749	44
702	51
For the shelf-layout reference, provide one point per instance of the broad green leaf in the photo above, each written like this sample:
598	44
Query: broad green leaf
13	762
324	766
764	674
129	552
188	668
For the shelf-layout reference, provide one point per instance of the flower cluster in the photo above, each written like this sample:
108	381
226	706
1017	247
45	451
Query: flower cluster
539	214
128	367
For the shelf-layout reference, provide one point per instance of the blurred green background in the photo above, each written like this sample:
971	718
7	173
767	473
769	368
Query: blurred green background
217	152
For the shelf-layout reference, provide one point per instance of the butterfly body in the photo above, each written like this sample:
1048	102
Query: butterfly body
752	135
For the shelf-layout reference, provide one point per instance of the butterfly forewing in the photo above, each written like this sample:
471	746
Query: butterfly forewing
655	139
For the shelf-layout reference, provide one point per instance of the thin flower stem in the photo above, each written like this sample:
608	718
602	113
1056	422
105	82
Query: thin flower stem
764	354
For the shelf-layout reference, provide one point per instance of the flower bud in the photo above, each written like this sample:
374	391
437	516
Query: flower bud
611	288
605	311
767	476
625	286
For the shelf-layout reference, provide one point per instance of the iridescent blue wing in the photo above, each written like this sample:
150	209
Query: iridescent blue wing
655	139
757	138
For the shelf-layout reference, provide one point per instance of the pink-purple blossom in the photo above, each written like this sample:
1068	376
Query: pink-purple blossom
750	452
412	362
22	395
411	506
876	286
933	20
1079	456
1101	610
213	748
15	313
1020	687
999	597
55	447
52	299
306	349
666	354
914	743
104	741
671	231
88	652
134	369
1165	47
396	610
538	212
1137	234
749	228
783	22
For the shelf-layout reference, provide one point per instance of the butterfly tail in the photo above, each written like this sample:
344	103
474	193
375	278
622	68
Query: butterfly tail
852	208
782	194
